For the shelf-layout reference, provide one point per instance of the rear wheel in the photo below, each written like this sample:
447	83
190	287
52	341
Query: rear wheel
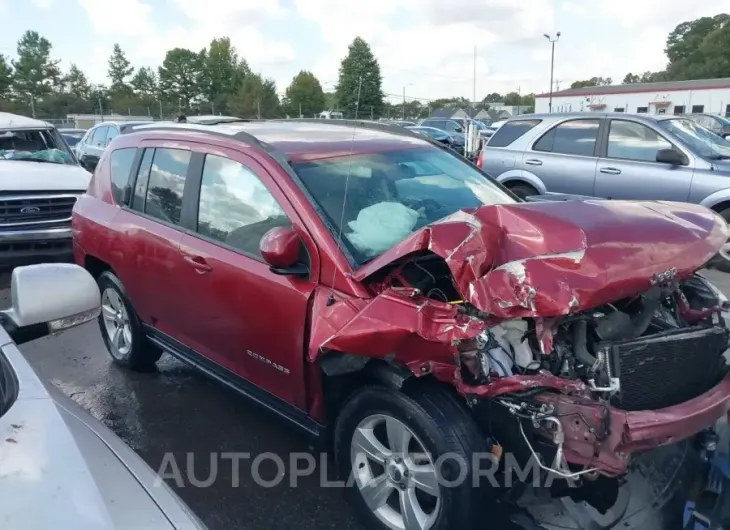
121	328
721	261
523	190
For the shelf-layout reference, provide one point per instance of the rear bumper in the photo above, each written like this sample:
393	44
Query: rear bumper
609	436
35	243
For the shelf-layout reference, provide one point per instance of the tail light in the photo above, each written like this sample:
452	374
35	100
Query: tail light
480	160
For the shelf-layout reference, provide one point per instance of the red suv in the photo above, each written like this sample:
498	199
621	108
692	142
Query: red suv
382	293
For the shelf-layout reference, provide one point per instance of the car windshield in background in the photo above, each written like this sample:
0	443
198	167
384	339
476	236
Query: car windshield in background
392	194
702	141
36	145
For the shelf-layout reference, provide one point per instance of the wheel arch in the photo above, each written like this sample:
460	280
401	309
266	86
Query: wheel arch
512	178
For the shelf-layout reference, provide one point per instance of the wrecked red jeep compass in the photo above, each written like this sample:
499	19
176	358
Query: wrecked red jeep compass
383	293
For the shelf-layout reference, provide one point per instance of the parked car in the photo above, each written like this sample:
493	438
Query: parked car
72	136
615	156
717	124
60	467
455	141
385	296
40	182
90	148
402	123
493	128
450	126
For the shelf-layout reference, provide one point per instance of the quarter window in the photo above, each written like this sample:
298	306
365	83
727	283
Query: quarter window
113	133
634	141
143	178
235	207
574	137
99	138
166	184
121	167
511	131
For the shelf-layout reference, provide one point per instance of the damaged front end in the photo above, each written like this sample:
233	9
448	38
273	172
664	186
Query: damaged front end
584	324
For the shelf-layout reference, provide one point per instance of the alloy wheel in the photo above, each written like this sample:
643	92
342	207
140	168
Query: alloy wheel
116	323
394	473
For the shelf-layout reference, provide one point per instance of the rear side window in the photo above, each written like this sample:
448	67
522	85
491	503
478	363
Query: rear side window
511	131
166	184
113	133
99	138
121	167
574	137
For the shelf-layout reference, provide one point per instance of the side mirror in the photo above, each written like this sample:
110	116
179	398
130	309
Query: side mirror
89	162
280	249
51	297
670	156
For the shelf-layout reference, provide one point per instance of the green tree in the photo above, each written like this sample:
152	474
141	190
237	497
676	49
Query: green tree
359	73
695	48
181	75
144	83
631	79
330	101
119	71
224	72
36	74
593	81
450	103
494	97
76	83
256	98
304	95
6	76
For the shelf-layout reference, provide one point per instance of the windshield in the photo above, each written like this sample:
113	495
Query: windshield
703	142
392	194
44	145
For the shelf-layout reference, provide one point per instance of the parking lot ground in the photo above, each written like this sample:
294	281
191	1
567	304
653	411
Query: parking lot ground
177	411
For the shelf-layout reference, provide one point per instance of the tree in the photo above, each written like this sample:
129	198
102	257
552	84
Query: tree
695	49
144	82
119	70
6	76
359	73
494	97
256	98
76	83
593	81
631	79
36	74
450	103
224	72
304	95
181	75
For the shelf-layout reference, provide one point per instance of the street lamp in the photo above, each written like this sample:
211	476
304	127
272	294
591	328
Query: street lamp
552	65
404	100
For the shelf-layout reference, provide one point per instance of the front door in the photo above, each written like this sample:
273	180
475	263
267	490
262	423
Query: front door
246	318
629	170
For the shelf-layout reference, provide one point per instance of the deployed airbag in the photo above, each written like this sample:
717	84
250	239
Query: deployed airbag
380	226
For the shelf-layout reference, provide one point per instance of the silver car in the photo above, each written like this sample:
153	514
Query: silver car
59	467
613	156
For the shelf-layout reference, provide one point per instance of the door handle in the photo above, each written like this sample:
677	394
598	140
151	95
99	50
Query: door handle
610	170
533	162
199	263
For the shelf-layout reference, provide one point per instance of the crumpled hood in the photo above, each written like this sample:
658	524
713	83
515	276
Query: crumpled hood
552	258
23	175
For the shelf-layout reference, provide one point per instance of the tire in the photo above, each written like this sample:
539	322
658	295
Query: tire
437	423
523	190
135	351
721	261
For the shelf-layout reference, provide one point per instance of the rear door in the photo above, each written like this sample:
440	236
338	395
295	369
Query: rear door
243	316
628	168
564	158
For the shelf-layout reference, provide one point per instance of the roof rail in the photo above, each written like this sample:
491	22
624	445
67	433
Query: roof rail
241	136
359	124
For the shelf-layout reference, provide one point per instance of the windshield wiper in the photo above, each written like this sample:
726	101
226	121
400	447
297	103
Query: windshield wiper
42	160
720	157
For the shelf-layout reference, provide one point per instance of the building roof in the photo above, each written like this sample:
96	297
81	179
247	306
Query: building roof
443	113
16	121
664	86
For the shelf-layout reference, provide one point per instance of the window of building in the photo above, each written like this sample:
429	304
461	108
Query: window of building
235	206
121	167
696	109
727	111
511	131
679	109
166	184
642	110
619	109
574	137
634	141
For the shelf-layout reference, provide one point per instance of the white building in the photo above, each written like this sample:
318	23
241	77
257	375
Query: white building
710	96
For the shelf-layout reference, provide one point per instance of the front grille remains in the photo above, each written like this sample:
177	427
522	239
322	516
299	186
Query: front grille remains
35	209
668	368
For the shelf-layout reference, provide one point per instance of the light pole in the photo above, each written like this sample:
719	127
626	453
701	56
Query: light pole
404	100
552	65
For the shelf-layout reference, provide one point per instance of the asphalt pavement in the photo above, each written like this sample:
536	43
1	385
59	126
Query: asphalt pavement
177	412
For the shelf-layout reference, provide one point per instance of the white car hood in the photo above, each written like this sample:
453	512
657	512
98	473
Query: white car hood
23	175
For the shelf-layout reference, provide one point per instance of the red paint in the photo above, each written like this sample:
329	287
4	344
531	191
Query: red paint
538	260
280	247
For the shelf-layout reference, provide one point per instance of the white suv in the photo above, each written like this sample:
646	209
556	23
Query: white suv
40	180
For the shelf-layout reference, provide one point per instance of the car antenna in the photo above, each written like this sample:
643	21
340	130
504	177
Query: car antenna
331	299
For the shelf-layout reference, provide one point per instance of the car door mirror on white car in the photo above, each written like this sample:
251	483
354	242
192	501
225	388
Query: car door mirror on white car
59	295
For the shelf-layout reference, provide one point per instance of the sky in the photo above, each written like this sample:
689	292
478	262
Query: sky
425	47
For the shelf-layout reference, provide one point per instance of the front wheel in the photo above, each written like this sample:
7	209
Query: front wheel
408	459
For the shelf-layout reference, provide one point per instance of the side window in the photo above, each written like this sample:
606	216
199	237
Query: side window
634	141
121	167
235	206
99	139
511	131
574	137
113	133
166	184
143	178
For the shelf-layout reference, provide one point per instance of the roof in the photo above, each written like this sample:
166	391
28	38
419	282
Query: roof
443	113
302	140
664	86
16	121
588	114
